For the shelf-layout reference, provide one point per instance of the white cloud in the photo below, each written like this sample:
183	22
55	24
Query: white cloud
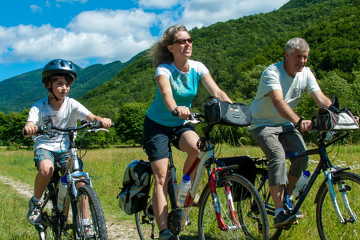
161	4
106	35
199	13
35	8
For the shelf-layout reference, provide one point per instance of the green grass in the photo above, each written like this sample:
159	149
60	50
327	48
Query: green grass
106	168
13	209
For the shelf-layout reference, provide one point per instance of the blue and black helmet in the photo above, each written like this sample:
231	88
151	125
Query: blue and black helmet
59	67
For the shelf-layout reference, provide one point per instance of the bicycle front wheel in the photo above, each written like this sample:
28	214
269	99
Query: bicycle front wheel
245	223
145	223
89	221
347	190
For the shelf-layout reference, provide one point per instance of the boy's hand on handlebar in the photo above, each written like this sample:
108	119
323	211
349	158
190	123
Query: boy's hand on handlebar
30	129
105	122
182	112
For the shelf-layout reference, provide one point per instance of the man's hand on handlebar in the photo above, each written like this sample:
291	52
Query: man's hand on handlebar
304	125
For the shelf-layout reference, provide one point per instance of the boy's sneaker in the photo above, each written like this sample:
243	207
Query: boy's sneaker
166	234
34	212
283	219
89	231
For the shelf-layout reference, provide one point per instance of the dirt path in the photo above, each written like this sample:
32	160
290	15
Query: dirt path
117	230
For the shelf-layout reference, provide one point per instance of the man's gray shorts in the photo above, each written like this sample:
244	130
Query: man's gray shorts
275	143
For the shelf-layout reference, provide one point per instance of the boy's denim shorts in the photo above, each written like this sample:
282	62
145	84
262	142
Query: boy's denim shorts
59	159
158	137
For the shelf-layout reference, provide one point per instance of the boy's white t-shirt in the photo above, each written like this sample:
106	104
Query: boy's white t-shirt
275	77
67	116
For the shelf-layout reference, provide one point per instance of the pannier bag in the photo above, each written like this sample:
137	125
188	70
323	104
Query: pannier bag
332	118
233	114
246	168
136	183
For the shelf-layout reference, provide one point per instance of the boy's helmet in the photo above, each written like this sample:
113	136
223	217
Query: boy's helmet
59	67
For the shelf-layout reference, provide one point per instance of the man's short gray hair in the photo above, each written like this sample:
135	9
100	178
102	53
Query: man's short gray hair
296	43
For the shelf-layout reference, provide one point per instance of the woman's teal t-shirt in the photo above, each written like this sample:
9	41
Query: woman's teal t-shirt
184	88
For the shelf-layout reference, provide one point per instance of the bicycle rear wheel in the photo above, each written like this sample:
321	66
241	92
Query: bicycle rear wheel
146	224
88	207
346	186
251	226
262	185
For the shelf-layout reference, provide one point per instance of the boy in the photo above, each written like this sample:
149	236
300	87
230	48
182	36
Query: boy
62	112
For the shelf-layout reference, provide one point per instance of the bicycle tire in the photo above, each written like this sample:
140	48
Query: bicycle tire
87	194
207	225
262	185
146	224
328	224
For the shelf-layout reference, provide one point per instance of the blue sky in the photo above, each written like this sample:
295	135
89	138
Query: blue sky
32	32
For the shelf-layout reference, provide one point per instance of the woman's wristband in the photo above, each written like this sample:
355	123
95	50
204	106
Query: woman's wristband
175	111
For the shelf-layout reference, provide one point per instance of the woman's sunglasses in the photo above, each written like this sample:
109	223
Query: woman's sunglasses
183	41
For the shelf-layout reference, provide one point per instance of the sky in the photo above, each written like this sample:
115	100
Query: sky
33	32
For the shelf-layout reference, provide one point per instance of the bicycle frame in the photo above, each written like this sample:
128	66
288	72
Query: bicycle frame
328	170
203	162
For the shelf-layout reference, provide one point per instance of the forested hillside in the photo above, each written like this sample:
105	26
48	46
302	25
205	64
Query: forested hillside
238	50
21	91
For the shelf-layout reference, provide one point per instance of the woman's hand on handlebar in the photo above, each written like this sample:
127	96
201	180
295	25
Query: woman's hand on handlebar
30	129
182	112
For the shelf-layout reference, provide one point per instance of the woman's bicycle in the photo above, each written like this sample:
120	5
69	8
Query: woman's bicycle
337	199
229	205
80	196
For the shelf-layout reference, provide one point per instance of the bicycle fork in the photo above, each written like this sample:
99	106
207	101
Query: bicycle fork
217	205
343	189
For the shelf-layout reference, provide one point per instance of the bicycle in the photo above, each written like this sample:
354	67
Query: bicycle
80	195
221	216
336	200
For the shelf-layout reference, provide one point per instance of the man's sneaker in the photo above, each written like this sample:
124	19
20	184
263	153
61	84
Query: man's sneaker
283	219
288	206
166	234
89	231
34	212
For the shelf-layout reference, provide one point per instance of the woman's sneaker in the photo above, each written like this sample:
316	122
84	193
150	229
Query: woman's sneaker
34	212
166	234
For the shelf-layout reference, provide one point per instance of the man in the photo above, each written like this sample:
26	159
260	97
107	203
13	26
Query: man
275	125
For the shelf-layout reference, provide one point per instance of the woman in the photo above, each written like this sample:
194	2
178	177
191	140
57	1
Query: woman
177	78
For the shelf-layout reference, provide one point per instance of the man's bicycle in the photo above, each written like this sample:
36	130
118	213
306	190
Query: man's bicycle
337	199
80	197
229	205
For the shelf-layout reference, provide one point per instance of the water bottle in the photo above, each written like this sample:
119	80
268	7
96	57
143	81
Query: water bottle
183	189
301	183
62	192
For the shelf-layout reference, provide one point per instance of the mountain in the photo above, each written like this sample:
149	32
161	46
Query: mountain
237	51
21	91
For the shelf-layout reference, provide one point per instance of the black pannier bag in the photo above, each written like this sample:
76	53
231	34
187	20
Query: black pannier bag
233	114
332	118
246	168
136	183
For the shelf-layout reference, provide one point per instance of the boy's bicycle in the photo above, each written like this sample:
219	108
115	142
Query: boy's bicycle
229	206
337	199
80	196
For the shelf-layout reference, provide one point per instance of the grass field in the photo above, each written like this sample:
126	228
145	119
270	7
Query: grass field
106	168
